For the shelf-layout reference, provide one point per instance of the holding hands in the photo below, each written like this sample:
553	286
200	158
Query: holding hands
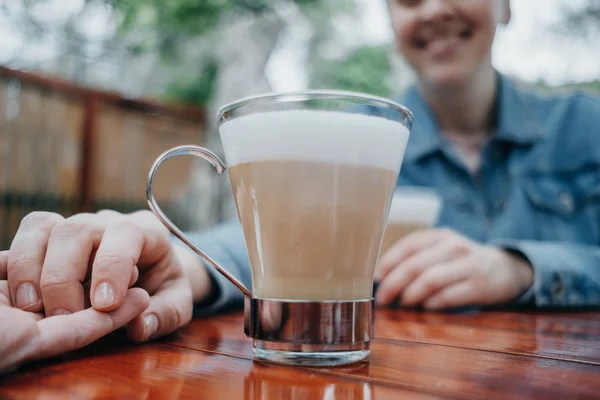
67	282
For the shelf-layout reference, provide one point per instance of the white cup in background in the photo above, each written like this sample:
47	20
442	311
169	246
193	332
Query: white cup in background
412	209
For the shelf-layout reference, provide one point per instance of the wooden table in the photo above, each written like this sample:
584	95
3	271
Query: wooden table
487	355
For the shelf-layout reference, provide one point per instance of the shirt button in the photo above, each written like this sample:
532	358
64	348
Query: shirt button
557	288
567	201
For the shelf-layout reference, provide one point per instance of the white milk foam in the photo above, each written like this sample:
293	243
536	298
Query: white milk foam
415	205
318	136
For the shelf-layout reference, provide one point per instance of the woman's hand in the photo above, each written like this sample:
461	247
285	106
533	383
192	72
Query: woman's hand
441	269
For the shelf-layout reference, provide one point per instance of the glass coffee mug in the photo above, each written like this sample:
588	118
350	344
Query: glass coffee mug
313	175
412	209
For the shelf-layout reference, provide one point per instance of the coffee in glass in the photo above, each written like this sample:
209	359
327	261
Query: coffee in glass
313	175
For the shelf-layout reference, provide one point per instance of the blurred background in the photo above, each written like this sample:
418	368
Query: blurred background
92	91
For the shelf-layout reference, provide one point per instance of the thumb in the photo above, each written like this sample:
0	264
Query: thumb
170	308
64	333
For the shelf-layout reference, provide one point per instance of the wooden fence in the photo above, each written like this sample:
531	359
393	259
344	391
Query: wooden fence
66	148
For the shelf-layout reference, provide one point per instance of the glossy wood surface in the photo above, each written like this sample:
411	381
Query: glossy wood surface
492	355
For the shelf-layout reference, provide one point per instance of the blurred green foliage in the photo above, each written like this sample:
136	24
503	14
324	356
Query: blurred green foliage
592	87
366	69
195	90
174	20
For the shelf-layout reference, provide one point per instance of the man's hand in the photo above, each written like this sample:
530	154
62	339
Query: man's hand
441	269
25	336
59	266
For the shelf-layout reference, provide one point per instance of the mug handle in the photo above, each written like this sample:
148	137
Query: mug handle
216	162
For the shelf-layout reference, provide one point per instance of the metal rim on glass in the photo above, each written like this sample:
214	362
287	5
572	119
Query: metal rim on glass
310	95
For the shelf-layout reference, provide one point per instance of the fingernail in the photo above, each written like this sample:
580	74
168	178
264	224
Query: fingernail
105	295
150	326
26	295
62	311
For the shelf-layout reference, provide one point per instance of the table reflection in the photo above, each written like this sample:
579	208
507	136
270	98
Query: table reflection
269	382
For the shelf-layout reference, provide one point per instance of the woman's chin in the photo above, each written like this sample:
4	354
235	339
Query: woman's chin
446	78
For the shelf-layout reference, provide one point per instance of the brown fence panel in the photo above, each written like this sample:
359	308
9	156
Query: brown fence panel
126	145
65	149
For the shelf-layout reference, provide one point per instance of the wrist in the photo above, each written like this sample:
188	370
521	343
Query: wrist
522	269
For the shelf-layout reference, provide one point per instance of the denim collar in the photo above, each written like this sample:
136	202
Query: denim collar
516	121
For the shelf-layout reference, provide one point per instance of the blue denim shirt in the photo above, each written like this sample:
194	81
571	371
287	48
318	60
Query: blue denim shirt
537	193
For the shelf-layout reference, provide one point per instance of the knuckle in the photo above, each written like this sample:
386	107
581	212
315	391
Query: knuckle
105	213
411	247
128	225
460	245
54	282
414	268
473	266
162	230
430	282
83	218
108	260
40	219
173	317
148	218
385	263
79	336
442	300
474	288
142	214
19	262
72	226
160	233
411	272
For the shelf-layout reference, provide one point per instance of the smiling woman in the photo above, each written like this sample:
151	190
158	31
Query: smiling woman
447	42
509	239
